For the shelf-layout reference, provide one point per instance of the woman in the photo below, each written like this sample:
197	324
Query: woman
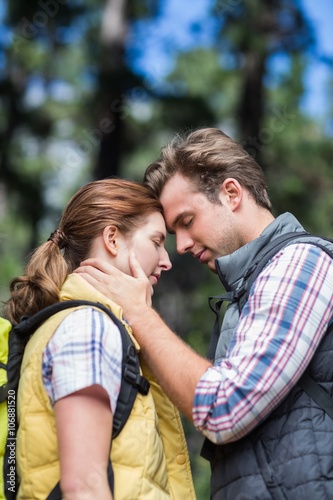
71	371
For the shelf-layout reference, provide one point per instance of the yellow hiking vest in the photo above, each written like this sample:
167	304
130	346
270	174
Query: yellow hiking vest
149	458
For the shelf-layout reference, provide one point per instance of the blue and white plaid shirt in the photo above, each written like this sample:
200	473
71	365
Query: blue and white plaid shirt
85	350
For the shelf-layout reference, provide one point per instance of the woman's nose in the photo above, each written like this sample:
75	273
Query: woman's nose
165	262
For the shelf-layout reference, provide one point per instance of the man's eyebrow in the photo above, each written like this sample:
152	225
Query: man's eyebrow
180	216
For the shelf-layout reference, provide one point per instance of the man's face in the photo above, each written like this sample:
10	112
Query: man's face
207	230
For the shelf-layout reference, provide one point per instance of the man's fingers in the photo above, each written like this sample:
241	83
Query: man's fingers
139	274
122	288
136	269
98	265
86	276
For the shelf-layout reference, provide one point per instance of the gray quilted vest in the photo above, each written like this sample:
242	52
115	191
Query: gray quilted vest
290	454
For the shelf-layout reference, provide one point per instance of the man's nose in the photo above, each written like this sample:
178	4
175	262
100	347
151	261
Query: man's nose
184	243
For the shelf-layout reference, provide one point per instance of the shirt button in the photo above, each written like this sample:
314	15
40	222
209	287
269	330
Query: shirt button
180	459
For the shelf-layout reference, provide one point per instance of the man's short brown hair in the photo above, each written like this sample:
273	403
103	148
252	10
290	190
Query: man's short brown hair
207	157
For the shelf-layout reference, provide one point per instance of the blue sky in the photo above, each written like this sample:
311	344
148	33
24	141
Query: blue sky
317	75
172	32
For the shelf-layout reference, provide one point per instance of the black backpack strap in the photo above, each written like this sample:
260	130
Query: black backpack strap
215	304
132	383
55	493
316	393
208	450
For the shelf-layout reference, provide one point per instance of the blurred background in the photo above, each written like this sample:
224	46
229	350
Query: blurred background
94	88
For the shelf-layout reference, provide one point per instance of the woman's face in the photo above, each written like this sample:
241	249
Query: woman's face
147	242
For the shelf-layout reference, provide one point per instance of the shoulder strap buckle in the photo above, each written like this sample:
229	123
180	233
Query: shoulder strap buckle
137	380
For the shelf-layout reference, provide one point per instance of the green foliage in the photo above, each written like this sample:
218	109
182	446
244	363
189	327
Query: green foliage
12	248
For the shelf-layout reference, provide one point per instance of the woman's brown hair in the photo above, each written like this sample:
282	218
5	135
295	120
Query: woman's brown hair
124	204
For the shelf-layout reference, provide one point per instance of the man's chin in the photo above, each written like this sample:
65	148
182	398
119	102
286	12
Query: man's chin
211	266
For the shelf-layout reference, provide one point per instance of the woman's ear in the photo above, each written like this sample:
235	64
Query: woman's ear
110	239
231	193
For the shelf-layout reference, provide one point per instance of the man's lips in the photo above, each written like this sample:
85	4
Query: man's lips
201	255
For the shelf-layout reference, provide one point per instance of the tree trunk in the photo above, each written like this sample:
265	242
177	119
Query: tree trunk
112	85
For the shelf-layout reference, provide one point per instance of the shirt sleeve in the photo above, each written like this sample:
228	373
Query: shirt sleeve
85	350
281	325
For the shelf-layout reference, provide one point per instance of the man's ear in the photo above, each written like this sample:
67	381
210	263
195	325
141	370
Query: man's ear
110	239
231	193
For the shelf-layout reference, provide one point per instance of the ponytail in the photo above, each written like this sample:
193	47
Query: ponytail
40	285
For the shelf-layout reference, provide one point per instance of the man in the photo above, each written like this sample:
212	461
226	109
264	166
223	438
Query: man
273	441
